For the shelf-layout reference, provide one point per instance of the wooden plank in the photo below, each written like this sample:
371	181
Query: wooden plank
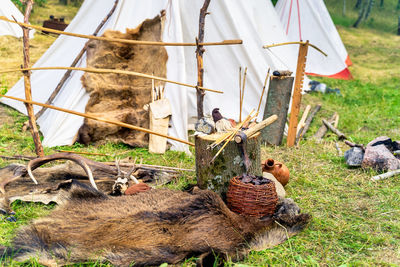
296	98
278	98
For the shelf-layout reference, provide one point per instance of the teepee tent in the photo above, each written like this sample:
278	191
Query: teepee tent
310	20
255	22
9	10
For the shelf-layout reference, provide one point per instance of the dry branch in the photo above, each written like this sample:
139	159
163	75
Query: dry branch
129	126
385	175
98	70
307	123
199	57
27	84
323	129
132	42
334	130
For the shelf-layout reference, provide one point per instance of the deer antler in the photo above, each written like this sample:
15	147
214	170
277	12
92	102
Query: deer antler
35	163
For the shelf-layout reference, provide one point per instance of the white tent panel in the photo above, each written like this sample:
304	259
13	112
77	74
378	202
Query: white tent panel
255	22
310	20
9	10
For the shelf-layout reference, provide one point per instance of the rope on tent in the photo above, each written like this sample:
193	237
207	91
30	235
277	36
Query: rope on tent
118	123
132	42
98	70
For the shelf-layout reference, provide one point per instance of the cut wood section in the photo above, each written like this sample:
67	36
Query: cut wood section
296	98
215	175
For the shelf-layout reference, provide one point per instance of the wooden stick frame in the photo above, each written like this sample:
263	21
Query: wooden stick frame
118	123
132	42
98	70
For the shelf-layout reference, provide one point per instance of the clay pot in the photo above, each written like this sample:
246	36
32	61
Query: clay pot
137	188
277	169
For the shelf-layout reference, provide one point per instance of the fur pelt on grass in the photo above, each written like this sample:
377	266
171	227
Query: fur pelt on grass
149	228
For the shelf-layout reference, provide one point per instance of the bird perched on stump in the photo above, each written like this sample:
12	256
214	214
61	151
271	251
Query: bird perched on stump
221	124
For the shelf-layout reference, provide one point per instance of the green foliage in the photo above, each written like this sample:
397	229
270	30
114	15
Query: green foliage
21	6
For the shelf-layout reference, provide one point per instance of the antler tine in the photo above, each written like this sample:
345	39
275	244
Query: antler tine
129	174
118	167
35	163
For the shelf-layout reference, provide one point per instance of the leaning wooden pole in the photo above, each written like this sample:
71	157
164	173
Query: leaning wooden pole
88	116
296	97
199	56
27	83
76	60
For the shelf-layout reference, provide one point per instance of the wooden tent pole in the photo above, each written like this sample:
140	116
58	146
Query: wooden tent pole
118	123
76	60
125	41
296	98
199	56
98	70
27	84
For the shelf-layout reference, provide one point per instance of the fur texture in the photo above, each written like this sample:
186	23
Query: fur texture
150	228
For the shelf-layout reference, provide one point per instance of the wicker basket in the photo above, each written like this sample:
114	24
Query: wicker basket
252	200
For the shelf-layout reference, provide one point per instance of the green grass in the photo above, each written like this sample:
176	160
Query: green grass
355	221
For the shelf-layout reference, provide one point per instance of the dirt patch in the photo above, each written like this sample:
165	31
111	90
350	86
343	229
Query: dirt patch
122	97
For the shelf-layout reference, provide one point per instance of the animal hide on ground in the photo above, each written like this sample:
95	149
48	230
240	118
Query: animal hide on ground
117	96
148	229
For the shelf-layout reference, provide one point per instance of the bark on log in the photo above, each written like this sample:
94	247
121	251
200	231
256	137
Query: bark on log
27	83
216	175
279	92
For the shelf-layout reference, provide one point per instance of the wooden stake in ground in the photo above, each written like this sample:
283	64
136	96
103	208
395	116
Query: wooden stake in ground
73	64
296	98
303	119
27	83
307	123
199	56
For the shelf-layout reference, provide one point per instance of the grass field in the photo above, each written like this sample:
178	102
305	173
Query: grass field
356	222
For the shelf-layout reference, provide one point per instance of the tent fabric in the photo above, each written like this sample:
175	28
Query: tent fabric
310	20
255	22
9	10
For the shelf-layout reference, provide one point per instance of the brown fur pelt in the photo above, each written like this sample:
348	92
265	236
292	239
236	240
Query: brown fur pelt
117	96
150	228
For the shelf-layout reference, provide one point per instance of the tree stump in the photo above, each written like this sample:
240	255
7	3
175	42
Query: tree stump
215	175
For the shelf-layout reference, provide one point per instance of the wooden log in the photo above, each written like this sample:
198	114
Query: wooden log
323	129
307	123
199	56
385	175
73	64
296	98
278	99
27	83
216	175
255	129
334	130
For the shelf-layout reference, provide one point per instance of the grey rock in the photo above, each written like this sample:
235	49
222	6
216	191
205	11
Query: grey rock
354	156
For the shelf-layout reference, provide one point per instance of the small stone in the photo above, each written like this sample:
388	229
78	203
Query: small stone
354	156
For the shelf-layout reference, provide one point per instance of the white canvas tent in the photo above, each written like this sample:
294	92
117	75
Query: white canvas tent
310	20
255	22
9	10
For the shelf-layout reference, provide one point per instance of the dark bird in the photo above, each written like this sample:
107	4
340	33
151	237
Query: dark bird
221	124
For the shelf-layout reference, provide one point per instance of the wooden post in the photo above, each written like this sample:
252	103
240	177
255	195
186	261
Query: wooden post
296	98
78	57
279	92
27	83
199	55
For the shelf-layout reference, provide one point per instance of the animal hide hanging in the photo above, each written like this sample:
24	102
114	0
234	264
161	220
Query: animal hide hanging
118	96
